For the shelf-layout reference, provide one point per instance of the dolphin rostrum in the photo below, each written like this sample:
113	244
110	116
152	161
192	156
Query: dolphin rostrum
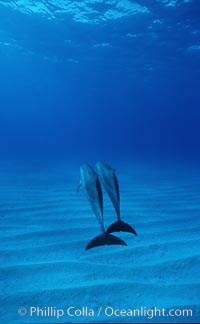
90	181
108	178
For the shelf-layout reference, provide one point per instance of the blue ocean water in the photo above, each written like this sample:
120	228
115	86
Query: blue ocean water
82	81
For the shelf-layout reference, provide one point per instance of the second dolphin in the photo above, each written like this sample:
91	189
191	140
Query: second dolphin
109	180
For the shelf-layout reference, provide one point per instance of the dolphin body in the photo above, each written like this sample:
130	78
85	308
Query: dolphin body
109	180
90	181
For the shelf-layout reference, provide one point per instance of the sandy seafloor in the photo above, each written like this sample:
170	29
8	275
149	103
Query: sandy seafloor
45	226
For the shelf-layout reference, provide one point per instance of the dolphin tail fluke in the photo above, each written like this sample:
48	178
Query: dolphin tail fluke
104	239
120	226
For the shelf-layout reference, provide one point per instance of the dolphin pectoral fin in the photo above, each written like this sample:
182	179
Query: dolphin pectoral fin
104	239
120	226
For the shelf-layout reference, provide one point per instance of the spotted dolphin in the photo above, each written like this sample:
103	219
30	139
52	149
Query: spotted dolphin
90	181
109	180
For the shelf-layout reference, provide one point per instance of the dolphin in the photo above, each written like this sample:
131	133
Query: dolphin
109	180
90	181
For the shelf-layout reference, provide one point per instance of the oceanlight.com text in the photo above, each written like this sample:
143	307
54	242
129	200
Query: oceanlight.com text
148	312
109	312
